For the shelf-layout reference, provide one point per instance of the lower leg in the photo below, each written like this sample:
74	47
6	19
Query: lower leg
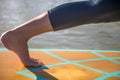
61	17
16	39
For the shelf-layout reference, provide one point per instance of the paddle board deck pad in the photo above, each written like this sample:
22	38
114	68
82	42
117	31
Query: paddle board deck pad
63	65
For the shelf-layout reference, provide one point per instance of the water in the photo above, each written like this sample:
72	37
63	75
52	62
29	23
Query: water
90	36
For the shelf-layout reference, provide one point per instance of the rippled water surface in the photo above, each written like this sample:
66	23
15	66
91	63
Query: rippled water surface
90	36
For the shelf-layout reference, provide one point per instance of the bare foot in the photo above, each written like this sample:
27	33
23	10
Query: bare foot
16	43
34	63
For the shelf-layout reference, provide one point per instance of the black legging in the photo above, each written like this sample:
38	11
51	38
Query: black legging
84	12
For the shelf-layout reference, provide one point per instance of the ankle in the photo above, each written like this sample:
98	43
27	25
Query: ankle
19	35
11	36
6	34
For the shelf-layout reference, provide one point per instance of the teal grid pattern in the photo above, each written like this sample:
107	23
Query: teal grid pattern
76	63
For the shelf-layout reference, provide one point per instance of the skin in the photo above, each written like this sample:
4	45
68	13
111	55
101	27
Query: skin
16	39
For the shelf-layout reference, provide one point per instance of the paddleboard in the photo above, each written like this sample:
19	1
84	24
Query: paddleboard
62	64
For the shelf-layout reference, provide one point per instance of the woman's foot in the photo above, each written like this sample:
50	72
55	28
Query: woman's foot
34	63
18	44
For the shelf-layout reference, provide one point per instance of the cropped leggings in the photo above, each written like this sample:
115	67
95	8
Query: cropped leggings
84	12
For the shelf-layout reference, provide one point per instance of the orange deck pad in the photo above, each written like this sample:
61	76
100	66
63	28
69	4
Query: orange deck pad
63	65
